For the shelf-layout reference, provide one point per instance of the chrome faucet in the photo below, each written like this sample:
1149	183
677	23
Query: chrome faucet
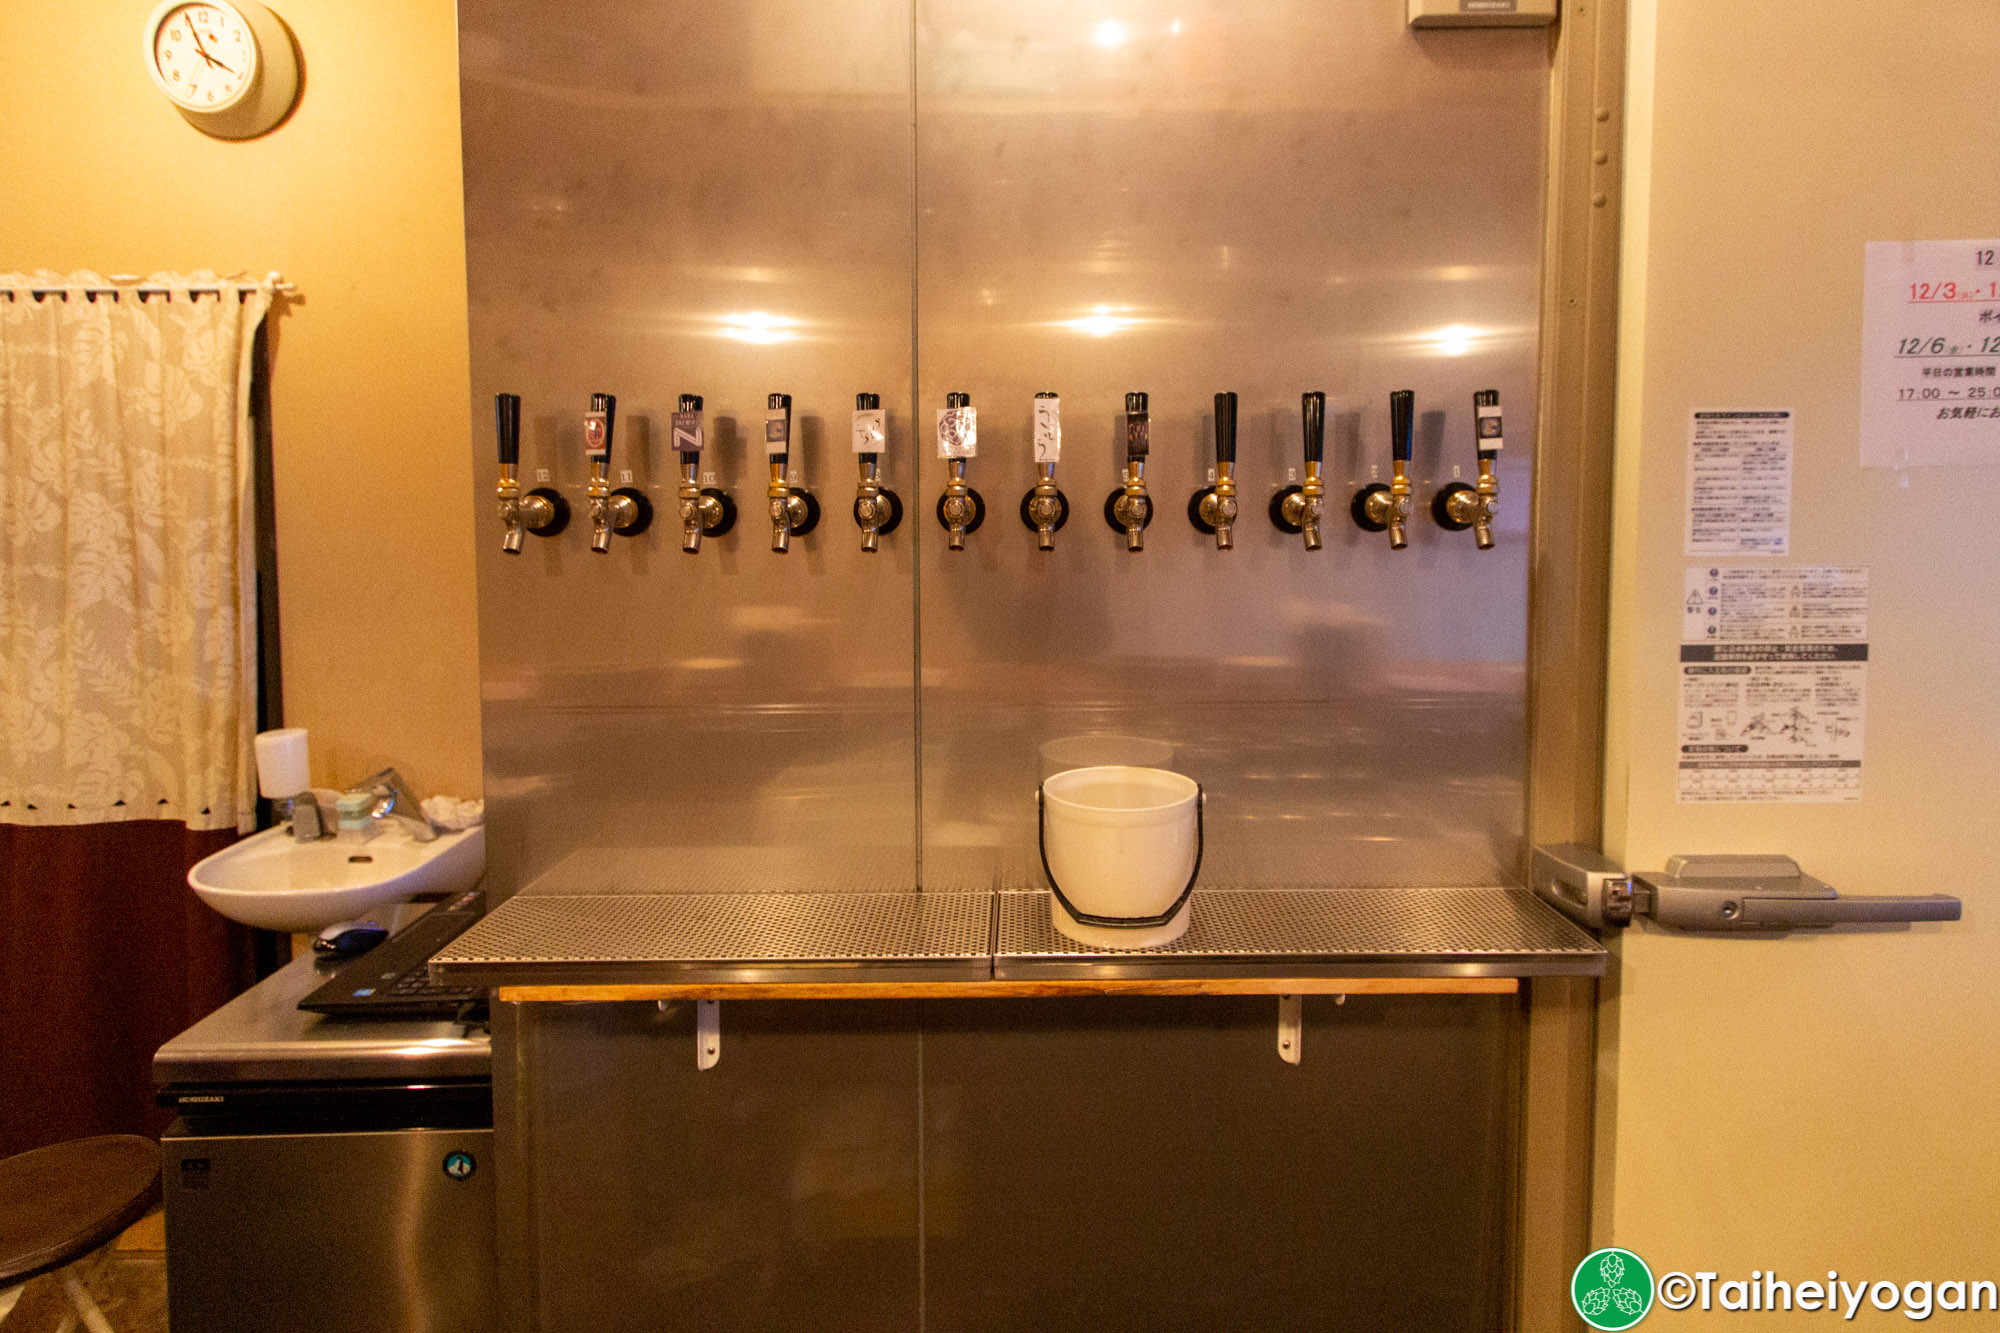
705	510
394	800
303	810
794	511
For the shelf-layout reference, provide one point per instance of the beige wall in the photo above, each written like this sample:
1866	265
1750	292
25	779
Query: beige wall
356	199
1807	1103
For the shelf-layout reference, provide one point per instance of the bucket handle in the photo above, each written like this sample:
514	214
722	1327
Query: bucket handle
1125	922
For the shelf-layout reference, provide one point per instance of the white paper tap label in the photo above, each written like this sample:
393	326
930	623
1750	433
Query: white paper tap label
777	432
958	432
1048	430
871	430
1488	428
687	432
596	439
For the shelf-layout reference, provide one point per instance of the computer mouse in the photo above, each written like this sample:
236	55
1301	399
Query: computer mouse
345	939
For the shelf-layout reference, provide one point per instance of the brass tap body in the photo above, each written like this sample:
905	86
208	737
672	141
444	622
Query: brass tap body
1218	507
1304	508
1045	507
788	511
1475	506
1132	507
871	505
1389	506
608	513
509	493
699	513
958	508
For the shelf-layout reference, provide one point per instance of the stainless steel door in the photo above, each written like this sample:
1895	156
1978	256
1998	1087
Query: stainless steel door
336	1233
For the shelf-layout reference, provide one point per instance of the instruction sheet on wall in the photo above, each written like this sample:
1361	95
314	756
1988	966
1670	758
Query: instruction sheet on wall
1774	683
1930	354
1740	483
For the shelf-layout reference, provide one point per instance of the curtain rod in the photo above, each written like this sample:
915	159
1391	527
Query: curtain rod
131	282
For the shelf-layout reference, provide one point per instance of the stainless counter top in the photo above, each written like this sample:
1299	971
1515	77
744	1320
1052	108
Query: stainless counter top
262	1036
608	939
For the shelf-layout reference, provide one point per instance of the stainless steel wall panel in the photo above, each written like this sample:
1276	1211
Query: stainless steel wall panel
1265	197
706	199
1144	1164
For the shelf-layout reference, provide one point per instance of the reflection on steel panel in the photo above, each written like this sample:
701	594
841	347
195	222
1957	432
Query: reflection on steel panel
707	199
777	1190
1146	1164
1267	198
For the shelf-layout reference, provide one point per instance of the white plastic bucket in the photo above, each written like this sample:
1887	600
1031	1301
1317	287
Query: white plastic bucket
1121	845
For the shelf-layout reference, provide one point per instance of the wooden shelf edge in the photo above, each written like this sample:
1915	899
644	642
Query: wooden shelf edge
977	990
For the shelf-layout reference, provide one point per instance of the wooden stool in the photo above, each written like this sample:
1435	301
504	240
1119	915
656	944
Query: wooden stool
61	1203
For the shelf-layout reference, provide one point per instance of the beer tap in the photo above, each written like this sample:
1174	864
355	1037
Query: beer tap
1045	508
541	511
960	509
1212	509
1459	506
625	511
1379	508
705	511
1129	509
877	509
1300	508
794	512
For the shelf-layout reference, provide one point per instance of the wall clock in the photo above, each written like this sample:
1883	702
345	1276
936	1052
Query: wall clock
228	66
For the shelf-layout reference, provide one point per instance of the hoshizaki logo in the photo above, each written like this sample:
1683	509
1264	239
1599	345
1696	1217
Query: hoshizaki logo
1612	1289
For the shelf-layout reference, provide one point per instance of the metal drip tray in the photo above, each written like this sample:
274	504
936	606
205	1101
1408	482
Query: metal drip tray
1316	932
698	938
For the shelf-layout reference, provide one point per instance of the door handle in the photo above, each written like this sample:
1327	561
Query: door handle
1718	893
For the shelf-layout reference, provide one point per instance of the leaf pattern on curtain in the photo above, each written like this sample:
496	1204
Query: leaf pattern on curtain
127	573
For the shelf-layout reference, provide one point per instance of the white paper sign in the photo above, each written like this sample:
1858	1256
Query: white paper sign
1048	429
870	430
1773	684
1740	483
957	432
1930	354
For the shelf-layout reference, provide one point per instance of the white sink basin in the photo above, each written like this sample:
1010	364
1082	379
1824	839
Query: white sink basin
270	881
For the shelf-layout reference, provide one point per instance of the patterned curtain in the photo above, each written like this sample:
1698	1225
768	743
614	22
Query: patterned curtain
127	570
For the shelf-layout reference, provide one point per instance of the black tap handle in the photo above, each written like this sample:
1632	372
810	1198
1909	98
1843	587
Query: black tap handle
608	405
1402	423
1482	431
1225	428
1312	413
958	400
1136	443
867	402
507	409
690	402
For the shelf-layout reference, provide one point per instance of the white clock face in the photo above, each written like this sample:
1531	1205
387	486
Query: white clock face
205	55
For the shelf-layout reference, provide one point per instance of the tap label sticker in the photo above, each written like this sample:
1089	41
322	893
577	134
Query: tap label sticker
777	433
871	430
687	432
596	439
958	432
1773	683
1487	430
1048	429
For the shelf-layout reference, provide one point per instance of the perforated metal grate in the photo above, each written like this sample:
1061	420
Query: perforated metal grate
727	928
1346	923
